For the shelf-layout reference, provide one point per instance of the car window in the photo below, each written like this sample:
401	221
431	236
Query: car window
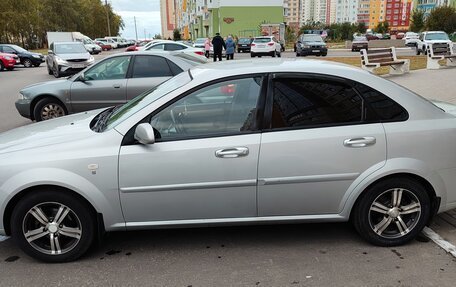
8	50
175	69
174	47
300	103
224	108
262	40
150	66
69	48
109	69
157	47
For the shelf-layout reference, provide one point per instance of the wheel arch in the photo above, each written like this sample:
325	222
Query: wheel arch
39	98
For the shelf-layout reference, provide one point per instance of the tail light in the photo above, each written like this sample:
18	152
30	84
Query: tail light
199	53
271	44
253	44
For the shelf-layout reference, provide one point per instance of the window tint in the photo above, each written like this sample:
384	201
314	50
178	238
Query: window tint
304	102
175	69
110	69
150	66
157	47
383	107
8	50
174	47
224	108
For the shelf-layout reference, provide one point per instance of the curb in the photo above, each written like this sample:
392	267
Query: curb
442	243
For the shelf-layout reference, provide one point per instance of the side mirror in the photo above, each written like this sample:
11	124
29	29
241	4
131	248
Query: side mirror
50	52
144	133
81	77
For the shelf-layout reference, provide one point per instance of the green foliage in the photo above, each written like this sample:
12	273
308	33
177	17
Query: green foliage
290	36
382	27
361	28
157	36
442	18
176	35
26	22
417	21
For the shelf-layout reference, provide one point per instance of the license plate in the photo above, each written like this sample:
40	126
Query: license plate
261	46
78	66
243	45
317	51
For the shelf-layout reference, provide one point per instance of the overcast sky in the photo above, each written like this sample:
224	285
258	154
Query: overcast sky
147	14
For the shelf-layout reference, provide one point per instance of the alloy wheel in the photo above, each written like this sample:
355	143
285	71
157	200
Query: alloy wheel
52	110
27	63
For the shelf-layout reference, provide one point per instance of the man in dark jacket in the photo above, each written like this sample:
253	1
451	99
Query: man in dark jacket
218	44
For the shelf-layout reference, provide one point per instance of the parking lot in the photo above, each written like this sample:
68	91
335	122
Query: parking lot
288	255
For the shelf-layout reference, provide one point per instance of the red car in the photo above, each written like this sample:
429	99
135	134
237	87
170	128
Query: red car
7	61
135	47
104	46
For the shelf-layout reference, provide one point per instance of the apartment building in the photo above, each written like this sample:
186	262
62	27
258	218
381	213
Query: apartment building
313	11
167	18
346	11
292	13
397	14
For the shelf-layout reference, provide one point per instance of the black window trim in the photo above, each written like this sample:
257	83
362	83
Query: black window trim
267	120
129	136
129	74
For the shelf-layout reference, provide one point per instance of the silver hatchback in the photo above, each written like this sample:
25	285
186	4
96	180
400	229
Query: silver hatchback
242	142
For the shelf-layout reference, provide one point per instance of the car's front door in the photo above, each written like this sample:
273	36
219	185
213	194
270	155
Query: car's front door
104	85
203	164
318	144
148	72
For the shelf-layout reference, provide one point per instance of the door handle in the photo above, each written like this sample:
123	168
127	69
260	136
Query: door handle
116	86
232	152
360	142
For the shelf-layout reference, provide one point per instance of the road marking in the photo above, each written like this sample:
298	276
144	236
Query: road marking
3	238
445	245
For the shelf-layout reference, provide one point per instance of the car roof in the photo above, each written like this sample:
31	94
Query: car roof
68	43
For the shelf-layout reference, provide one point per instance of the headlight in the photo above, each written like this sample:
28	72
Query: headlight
60	60
305	46
21	96
36	56
8	58
91	59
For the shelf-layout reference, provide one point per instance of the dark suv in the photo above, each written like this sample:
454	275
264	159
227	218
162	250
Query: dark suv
311	44
243	45
28	59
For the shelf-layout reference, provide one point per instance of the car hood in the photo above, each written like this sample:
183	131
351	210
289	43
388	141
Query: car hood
49	85
85	56
51	132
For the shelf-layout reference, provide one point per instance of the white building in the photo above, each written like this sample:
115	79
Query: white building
313	11
347	11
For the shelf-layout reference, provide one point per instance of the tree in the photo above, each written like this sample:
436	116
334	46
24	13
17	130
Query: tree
417	21
176	35
382	27
361	28
157	36
442	18
290	36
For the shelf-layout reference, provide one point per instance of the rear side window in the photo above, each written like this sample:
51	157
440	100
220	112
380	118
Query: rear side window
151	66
383	108
175	69
174	47
300	103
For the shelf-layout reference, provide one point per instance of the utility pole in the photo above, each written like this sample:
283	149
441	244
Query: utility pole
136	30
145	34
107	18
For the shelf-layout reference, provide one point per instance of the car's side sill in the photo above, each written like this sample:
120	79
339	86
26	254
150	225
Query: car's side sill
235	221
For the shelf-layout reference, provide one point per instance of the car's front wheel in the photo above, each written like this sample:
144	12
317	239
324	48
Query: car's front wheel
392	212
417	50
2	67
48	108
56	71
53	226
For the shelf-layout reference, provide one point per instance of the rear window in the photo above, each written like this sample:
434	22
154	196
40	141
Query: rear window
244	41
262	40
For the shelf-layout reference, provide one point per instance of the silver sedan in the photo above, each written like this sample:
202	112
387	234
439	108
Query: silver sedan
242	142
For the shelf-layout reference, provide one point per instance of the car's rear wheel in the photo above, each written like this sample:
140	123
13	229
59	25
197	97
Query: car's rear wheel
53	226
48	108
56	71
324	54
252	55
417	50
27	63
279	54
392	212
273	54
2	67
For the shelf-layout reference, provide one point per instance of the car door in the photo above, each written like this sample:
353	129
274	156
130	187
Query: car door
203	164
148	71
104	85
318	143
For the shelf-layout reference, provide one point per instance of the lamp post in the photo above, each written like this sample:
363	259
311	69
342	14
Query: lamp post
107	18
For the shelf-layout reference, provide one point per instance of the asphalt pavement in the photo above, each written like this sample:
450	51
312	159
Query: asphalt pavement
286	255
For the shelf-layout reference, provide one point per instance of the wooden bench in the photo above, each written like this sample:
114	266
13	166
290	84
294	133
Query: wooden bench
440	51
375	58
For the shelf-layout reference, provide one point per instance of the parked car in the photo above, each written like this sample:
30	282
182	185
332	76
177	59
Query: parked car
199	43
176	46
121	43
265	46
243	45
311	44
272	140
429	37
136	47
112	81
371	37
91	46
67	58
104	45
109	41
386	36
411	38
28	59
359	42
400	36
8	61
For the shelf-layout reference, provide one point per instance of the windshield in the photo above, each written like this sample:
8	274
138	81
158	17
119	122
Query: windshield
244	41
312	38
147	98
360	38
18	49
69	48
436	36
200	41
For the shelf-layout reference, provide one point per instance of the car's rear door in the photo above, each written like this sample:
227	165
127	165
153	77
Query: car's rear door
317	143
105	85
148	71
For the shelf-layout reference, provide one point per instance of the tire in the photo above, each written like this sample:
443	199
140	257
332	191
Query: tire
48	108
383	225
353	50
273	54
324	54
10	69
417	50
49	70
252	55
2	67
238	51
73	234
37	65
279	55
297	54
27	63
56	72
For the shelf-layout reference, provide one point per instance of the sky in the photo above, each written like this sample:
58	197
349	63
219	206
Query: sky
147	13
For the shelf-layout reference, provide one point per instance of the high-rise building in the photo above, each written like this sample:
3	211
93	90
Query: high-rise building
347	11
363	12
313	11
398	14
376	12
167	18
292	12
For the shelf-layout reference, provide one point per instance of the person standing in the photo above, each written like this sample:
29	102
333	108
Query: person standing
207	46
230	48
219	45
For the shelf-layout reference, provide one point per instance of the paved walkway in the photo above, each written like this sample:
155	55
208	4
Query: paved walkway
439	85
